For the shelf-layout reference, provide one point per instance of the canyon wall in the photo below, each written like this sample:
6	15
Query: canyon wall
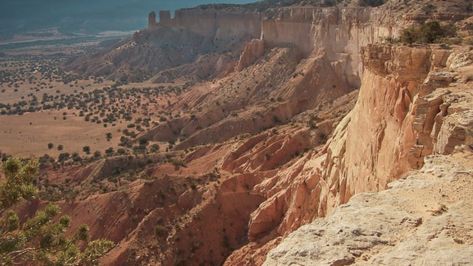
215	24
413	111
326	40
338	32
388	131
408	95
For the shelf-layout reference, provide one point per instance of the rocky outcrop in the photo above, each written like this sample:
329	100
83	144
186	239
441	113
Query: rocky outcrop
252	52
424	218
340	32
393	117
165	18
220	26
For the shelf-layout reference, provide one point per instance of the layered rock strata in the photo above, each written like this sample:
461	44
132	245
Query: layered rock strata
408	95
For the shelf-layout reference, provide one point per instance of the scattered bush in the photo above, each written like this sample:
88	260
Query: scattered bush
109	152
63	157
97	154
373	3
276	120
160	230
86	149
154	148
429	32
178	163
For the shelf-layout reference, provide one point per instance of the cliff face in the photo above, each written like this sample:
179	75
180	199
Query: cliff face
217	25
388	132
339	32
402	105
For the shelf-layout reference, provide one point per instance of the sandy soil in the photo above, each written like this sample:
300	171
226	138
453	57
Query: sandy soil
24	79
19	137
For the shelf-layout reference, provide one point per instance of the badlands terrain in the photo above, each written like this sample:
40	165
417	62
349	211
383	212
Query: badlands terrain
298	132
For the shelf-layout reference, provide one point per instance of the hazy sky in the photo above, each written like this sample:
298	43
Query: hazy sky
87	15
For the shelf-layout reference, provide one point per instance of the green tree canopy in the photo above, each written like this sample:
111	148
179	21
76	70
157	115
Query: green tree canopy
42	240
429	32
19	184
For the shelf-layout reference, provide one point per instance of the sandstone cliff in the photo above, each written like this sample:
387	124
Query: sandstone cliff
252	52
320	72
310	26
402	104
423	219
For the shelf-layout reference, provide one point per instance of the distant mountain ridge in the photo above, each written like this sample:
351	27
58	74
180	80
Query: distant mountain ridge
72	16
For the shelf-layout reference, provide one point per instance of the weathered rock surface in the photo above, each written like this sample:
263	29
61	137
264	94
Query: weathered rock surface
423	219
252	52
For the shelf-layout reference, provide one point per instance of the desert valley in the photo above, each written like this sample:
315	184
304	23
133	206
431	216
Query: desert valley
294	132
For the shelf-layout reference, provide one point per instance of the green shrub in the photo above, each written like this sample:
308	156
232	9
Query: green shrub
373	3
20	176
429	32
43	241
160	230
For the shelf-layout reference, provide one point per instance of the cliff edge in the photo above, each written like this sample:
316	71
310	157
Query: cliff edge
423	219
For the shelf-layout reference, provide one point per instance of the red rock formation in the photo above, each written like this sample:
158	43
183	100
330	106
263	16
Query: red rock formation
221	26
252	52
393	126
396	118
